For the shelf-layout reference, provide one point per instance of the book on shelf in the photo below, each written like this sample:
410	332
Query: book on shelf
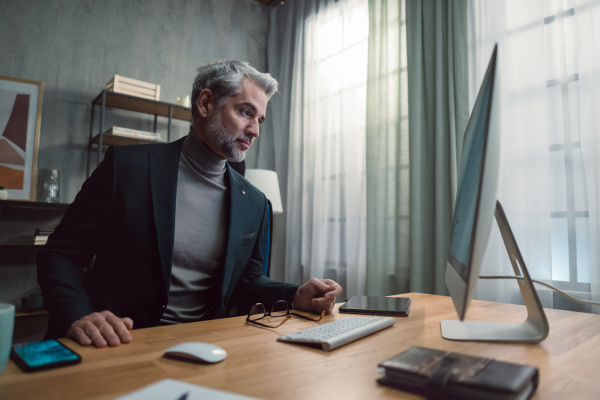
41	235
133	133
40	239
43	231
443	374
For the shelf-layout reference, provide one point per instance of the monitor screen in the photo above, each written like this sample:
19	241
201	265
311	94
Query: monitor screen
469	183
474	212
476	194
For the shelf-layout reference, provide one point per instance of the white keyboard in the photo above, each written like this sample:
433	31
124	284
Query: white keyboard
340	332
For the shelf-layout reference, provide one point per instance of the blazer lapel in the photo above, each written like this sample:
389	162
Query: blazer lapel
164	167
237	217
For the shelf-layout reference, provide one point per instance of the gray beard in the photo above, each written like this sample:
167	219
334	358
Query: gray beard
222	138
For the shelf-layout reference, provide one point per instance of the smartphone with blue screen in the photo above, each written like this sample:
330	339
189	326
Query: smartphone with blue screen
37	356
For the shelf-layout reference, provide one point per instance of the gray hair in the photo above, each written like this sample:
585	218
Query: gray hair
224	79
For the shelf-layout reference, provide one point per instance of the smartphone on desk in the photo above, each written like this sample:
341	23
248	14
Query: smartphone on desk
37	356
377	305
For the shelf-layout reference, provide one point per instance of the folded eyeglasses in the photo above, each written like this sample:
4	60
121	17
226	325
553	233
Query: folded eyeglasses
280	309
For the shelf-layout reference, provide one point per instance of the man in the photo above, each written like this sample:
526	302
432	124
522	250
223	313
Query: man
176	233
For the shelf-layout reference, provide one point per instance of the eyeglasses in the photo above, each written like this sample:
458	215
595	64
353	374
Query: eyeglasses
280	309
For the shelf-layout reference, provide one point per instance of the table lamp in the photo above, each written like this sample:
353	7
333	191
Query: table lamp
266	181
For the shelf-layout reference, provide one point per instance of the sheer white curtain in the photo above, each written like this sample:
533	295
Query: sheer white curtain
549	72
588	51
326	176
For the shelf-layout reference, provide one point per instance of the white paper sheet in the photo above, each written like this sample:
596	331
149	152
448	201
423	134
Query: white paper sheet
170	389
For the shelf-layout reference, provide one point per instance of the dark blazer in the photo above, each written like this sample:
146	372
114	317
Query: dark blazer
124	216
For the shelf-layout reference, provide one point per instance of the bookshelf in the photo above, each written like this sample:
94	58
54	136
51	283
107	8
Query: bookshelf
19	219
107	99
18	222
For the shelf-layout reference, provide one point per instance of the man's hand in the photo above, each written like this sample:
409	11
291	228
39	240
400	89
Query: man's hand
101	329
317	295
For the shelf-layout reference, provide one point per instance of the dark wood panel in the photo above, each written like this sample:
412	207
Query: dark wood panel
272	3
132	103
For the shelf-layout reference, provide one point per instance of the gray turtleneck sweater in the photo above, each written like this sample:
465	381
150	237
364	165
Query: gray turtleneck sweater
201	220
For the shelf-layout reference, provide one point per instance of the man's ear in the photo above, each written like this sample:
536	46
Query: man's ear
205	103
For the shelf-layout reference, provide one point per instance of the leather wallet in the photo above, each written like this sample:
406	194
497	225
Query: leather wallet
438	374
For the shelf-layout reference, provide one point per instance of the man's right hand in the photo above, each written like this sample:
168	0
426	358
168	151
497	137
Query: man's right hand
101	329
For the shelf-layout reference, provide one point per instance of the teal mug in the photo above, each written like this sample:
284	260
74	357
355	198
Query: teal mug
7	323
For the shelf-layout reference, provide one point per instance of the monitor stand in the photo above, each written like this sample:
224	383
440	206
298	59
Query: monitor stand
533	330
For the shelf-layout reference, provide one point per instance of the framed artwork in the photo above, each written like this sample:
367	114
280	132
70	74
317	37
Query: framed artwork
20	120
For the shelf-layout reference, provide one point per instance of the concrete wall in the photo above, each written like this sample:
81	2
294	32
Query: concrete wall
76	46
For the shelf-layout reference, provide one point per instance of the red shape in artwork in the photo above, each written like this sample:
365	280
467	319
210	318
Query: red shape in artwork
12	178
16	128
8	155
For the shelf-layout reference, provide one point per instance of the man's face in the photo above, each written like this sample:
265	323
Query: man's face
232	128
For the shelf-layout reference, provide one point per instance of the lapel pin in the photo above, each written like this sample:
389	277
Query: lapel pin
243	192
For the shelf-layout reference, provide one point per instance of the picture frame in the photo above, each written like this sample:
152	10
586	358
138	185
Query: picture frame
20	122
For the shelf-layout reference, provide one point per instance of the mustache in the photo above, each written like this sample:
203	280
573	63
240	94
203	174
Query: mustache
246	138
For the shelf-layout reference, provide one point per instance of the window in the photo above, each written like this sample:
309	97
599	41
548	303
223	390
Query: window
545	53
333	152
569	215
570	218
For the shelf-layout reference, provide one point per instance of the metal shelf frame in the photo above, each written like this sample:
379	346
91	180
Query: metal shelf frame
111	99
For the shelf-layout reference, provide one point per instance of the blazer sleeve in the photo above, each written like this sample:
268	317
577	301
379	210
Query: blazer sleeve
255	286
70	249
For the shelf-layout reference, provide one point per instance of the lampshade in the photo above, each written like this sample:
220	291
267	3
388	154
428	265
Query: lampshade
266	181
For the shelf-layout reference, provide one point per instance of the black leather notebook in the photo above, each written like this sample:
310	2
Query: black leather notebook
438	374
377	305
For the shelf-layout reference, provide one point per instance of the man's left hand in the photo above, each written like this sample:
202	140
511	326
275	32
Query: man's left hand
317	295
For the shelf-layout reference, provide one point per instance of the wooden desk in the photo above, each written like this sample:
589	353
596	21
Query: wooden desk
259	366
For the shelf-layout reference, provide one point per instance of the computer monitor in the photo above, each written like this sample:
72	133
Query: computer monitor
474	212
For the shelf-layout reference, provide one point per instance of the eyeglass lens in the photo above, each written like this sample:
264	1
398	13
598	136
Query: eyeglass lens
279	309
257	311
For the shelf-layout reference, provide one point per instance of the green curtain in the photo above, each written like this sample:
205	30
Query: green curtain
415	128
388	263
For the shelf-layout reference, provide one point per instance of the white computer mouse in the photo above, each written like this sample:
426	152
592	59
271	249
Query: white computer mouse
197	351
